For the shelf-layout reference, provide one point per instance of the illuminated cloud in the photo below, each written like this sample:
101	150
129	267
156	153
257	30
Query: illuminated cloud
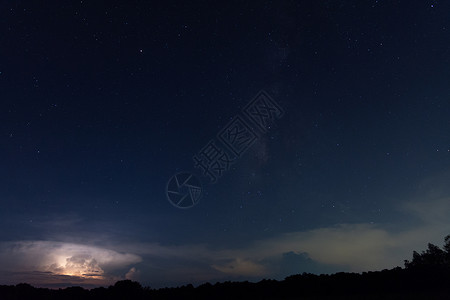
81	265
48	261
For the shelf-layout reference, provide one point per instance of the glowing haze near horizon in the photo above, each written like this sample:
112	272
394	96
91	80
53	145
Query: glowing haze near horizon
101	103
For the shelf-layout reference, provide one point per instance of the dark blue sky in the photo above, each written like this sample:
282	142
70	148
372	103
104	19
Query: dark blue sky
102	103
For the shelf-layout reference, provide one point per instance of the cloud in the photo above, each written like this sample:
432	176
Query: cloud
81	265
132	274
294	263
242	267
351	246
46	261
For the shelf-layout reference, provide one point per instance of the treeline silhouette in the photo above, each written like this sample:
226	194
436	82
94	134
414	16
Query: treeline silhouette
426	276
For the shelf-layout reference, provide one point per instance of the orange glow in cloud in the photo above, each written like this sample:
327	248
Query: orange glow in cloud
83	265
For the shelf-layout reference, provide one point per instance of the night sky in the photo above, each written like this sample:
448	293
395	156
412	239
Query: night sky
102	102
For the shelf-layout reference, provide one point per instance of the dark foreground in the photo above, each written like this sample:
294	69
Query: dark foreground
397	283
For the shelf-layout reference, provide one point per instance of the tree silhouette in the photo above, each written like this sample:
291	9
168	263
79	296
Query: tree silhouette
447	249
126	289
433	257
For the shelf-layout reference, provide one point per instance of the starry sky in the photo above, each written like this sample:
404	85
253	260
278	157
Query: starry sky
102	103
